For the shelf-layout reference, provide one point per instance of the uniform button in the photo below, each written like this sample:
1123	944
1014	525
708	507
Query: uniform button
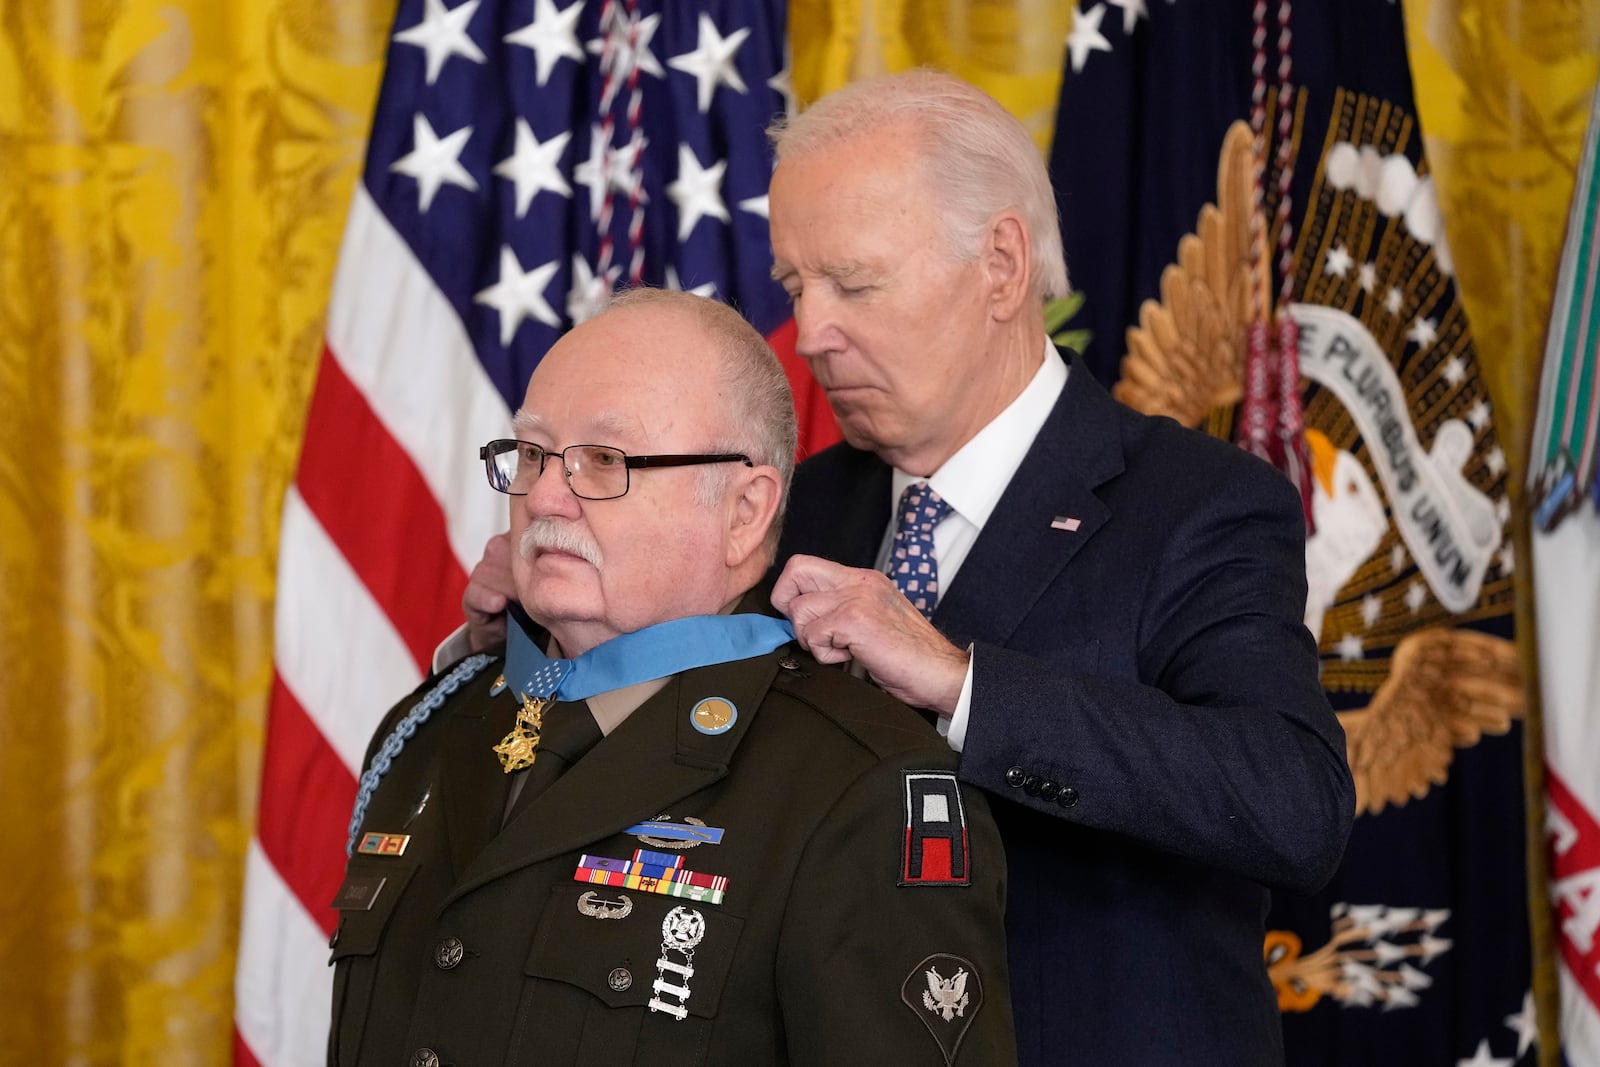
619	979
424	1057
1049	791
789	663
1014	777
1068	797
1032	784
448	953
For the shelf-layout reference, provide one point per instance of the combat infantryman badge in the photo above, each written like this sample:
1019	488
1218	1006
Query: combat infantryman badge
662	832
946	993
681	931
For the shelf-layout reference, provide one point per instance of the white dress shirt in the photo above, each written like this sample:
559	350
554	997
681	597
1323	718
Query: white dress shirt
971	482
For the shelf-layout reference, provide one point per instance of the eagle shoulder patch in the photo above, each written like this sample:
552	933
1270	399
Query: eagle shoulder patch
945	992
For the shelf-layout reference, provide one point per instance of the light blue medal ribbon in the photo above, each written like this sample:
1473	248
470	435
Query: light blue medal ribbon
654	652
657	651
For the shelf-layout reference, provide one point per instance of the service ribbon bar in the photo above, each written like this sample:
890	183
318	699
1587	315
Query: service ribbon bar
652	872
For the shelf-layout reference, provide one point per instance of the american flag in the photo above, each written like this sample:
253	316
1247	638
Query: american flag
527	157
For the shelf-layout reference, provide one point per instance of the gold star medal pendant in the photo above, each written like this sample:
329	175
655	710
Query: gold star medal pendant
518	749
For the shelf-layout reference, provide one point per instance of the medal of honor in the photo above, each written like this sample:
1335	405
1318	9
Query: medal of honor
518	748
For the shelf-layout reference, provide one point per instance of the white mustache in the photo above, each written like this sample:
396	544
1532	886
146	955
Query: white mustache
560	535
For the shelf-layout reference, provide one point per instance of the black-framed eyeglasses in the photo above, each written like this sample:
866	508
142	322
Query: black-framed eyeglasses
593	472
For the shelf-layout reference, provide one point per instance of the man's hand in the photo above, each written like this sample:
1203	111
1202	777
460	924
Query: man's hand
841	613
490	588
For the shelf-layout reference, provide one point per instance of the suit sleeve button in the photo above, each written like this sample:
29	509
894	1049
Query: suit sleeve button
1049	791
1014	777
1032	784
1068	797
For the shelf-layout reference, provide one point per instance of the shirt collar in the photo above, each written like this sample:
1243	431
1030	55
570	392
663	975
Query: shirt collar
613	706
972	480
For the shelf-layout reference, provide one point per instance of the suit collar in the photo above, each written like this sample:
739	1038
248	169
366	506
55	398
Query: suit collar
1019	552
846	505
854	533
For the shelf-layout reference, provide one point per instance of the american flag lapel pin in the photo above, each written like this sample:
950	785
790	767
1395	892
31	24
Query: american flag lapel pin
1065	522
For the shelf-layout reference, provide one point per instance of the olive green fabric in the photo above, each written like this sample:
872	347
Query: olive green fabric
803	962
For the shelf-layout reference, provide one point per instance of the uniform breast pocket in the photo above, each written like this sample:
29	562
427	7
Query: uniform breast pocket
650	971
366	901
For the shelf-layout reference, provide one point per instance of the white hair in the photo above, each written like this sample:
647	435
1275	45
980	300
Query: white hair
760	421
561	534
977	159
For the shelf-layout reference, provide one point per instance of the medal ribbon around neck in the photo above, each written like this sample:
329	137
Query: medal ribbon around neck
654	652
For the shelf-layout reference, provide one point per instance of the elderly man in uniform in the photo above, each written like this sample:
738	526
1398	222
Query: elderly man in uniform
1103	609
653	830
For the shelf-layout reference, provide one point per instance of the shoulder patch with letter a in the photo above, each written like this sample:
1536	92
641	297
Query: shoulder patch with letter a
935	845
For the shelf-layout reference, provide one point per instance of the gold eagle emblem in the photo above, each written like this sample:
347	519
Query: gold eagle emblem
1444	688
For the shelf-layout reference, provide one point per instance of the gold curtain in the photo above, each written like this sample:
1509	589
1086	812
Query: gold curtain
173	181
1011	49
174	176
1504	88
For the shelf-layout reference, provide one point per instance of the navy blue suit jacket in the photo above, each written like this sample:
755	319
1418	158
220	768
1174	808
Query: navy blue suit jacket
1146	718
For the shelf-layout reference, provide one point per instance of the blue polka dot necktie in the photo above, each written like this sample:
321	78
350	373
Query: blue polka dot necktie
913	564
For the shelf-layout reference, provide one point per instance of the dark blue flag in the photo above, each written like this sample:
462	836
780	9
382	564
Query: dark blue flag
1418	953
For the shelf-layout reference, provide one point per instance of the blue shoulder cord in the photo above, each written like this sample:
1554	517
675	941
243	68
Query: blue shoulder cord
463	673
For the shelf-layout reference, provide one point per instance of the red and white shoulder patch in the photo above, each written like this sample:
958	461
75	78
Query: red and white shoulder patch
935	841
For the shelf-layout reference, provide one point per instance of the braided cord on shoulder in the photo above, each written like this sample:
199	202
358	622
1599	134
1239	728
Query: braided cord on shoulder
463	673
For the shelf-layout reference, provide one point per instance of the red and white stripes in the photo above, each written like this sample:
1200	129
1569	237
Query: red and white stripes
385	515
1271	424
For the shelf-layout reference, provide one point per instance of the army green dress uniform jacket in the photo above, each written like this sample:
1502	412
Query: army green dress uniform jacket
477	946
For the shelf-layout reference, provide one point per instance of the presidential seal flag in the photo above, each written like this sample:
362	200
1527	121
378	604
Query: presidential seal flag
1249	213
526	158
1565	495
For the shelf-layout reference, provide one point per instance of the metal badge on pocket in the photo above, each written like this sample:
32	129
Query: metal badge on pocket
681	931
596	906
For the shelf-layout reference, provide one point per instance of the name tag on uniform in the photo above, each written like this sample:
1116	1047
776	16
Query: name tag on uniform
359	892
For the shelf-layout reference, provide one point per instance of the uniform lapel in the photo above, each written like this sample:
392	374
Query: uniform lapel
1019	553
648	764
473	788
